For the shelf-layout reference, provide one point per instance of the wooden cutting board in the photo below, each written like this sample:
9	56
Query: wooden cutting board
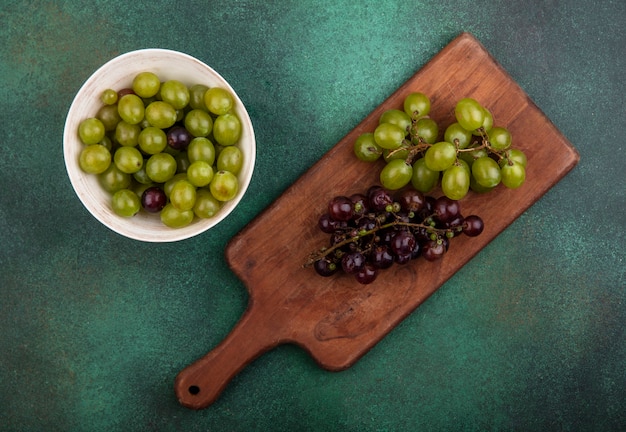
335	319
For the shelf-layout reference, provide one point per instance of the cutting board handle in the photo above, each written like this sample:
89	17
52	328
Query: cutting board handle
200	384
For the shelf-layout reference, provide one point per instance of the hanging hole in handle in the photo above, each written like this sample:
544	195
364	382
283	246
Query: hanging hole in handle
194	390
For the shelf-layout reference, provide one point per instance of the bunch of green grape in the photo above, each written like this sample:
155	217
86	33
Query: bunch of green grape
164	148
473	154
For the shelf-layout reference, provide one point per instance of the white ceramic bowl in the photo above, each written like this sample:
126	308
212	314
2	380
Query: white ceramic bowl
117	74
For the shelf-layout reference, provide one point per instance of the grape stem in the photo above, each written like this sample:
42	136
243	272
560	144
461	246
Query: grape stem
316	256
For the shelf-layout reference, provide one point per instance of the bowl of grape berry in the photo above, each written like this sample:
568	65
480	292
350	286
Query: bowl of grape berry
158	146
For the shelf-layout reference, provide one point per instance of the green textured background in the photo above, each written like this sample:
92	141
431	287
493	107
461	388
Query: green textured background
528	336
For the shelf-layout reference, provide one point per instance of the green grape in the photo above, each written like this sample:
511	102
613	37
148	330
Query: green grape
396	174
161	167
175	93
206	205
224	186
109	97
167	187
487	123
94	159
499	138
423	179
515	155
127	134
486	172
513	175
175	218
125	203
182	161
464	164
401	152
109	116
128	159
198	122
440	156
389	136
397	117
91	131
196	96
201	148
230	159
146	84
469	113
200	173
131	108
141	176
152	140
161	114
113	179
427	129
476	187
107	142
219	101
417	105
457	135
455	182
366	149
183	195
227	129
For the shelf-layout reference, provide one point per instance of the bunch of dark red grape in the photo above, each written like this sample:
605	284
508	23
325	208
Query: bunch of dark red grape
370	232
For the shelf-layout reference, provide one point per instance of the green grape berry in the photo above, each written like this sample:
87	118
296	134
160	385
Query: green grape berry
423	178
129	160
175	93
230	159
416	105
198	122
175	218
469	114
486	172
499	138
201	148
94	159
200	173
91	131
206	205
396	174
457	135
219	101
183	195
146	84
131	109
455	182
389	136
125	203
161	167
513	175
161	114
397	117
366	149
227	129
427	129
224	186
440	156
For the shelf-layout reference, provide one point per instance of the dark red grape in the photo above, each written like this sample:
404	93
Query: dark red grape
153	199
178	138
473	226
360	203
446	209
329	225
433	250
367	274
325	267
352	262
403	243
411	200
381	257
341	208
379	198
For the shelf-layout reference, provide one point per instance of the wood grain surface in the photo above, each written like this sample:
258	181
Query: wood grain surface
335	319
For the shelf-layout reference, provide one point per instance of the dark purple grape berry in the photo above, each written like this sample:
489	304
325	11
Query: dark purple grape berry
366	224
433	250
153	199
446	209
411	200
341	208
379	198
325	267
178	138
360	203
367	274
473	225
381	257
326	224
352	262
403	243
